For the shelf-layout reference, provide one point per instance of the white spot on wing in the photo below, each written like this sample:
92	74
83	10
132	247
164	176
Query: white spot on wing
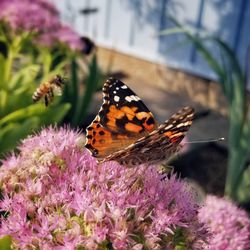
184	124
114	92
168	127
128	99
116	98
124	87
132	98
117	88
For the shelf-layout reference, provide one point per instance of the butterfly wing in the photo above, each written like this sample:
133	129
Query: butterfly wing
159	145
176	127
122	119
123	111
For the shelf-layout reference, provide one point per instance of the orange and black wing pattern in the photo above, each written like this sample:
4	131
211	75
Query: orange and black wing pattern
159	145
125	130
122	119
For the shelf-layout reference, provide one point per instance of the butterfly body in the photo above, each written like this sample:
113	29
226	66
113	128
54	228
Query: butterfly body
125	130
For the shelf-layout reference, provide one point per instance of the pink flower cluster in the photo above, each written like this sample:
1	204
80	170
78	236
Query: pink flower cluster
55	196
42	18
229	224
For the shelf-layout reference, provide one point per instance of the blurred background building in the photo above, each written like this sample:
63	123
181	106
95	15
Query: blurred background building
133	26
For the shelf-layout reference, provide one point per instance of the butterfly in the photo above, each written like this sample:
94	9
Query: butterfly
126	131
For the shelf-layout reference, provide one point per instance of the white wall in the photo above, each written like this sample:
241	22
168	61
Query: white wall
131	26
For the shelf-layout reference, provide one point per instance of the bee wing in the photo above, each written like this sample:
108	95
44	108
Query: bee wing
57	90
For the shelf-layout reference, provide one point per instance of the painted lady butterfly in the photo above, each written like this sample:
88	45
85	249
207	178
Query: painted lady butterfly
125	130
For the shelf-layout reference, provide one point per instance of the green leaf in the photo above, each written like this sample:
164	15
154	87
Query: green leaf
11	134
55	114
3	101
2	69
3	49
246	131
18	128
232	58
47	61
91	81
199	43
74	89
49	114
24	77
16	101
243	194
172	31
21	114
231	77
5	243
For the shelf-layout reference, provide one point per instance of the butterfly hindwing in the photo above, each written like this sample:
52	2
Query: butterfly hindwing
159	145
176	127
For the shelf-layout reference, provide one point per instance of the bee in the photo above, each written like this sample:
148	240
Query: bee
48	90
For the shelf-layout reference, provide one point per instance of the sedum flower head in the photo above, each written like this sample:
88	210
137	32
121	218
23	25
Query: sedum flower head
41	18
55	196
229	224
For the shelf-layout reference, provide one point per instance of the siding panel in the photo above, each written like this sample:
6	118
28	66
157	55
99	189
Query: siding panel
131	26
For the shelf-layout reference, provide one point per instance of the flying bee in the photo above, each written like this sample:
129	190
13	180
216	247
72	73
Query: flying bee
48	90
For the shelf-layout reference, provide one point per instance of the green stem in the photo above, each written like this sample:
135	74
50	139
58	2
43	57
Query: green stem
236	163
91	85
75	86
13	49
8	66
47	61
238	151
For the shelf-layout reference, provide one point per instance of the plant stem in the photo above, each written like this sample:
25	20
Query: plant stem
236	163
13	49
8	66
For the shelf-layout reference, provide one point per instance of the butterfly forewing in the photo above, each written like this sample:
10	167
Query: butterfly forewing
123	111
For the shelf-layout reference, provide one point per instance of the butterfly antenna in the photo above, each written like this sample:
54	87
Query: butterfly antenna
205	141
